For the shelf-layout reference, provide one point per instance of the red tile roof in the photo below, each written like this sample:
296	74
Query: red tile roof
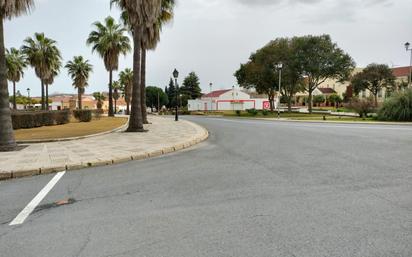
217	93
401	71
327	90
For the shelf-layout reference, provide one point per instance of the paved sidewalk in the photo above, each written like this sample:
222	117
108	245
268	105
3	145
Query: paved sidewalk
164	136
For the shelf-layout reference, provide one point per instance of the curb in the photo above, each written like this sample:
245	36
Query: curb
121	159
39	141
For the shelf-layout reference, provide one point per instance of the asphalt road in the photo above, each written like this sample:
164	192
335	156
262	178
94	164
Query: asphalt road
255	188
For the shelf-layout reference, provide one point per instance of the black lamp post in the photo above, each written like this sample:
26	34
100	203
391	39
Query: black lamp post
28	96
176	75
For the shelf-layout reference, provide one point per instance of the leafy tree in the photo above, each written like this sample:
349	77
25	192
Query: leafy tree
191	86
375	77
321	59
261	72
318	99
79	70
171	93
155	98
100	98
16	63
126	80
44	56
109	41
335	99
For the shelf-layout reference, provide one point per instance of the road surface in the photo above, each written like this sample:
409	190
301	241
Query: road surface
255	188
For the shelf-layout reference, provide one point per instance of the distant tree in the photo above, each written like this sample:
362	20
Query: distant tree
335	99
155	98
318	99
126	81
15	63
79	70
100	98
375	77
321	59
117	87
191	86
171	94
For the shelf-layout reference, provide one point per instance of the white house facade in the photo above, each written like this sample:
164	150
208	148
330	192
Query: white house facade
227	100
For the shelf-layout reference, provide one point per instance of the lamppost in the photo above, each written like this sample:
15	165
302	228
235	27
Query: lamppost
279	67
407	46
211	98
176	75
28	96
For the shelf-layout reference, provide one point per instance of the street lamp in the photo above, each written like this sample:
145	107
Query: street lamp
407	46
279	67
211	98
28	96
176	75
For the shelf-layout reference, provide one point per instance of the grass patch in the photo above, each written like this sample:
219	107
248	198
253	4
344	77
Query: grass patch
73	129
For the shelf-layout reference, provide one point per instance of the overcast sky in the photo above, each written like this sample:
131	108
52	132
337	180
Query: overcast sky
212	37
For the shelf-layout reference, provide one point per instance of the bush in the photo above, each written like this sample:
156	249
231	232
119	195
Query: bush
97	114
35	119
362	106
83	115
252	112
238	113
265	112
397	108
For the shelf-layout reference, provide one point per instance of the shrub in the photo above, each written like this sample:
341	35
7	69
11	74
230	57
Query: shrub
238	113
253	112
97	114
362	106
34	119
83	115
397	108
265	112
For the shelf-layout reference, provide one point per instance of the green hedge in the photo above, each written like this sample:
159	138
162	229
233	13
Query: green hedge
34	119
83	115
397	108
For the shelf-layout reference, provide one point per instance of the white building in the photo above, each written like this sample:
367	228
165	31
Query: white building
228	100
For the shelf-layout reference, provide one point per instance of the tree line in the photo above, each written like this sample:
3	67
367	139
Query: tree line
142	19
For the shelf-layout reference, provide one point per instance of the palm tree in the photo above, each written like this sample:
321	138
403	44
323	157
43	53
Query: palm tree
44	56
116	95
109	41
149	40
55	70
15	63
79	70
8	10
100	98
126	80
141	14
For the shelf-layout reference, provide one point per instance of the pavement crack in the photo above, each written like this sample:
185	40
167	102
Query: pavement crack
109	196
85	244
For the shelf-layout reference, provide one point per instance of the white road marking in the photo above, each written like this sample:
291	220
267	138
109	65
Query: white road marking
36	200
321	125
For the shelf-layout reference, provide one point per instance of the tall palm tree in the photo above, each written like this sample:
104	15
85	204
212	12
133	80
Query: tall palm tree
100	98
109	41
15	63
79	70
44	56
8	10
126	80
141	14
149	40
55	70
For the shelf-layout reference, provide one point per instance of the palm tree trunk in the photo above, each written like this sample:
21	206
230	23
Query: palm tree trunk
14	96
143	87
47	96
111	113
7	141
79	98
115	106
42	96
128	108
136	119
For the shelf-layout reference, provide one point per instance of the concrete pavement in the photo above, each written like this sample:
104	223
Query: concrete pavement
164	136
253	189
